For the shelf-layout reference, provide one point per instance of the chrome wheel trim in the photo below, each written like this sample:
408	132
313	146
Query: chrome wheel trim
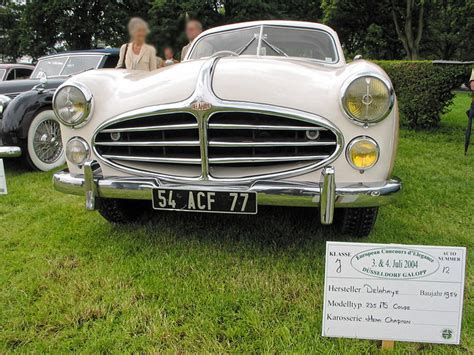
47	143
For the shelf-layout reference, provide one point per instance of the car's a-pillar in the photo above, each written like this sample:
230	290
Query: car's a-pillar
328	195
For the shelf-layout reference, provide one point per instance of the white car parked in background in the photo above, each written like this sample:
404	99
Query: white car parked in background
259	113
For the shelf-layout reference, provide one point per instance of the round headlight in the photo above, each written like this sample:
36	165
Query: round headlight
72	105
362	153
77	151
367	100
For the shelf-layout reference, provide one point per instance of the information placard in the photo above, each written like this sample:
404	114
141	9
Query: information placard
394	292
3	180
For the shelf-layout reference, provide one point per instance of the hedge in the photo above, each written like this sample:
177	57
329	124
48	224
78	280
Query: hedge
424	89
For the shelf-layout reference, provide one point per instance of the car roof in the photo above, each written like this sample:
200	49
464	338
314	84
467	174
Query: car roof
101	51
16	65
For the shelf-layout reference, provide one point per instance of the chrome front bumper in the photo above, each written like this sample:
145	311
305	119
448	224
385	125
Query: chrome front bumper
9	152
324	194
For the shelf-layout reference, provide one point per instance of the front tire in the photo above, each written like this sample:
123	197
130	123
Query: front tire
358	222
119	211
45	150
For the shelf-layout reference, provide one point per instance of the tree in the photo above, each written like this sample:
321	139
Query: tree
409	22
50	25
38	29
169	16
364	27
449	30
10	32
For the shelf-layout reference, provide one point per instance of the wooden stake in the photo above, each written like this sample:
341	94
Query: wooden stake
388	344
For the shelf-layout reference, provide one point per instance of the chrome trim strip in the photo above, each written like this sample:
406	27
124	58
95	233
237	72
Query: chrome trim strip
328	195
238	160
10	152
90	186
264	127
204	94
215	143
150	144
139	159
278	193
152	128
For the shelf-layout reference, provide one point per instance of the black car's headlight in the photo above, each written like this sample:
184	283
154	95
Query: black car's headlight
367	99
72	105
4	100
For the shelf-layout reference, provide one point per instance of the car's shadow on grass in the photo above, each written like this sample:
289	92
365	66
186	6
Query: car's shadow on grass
15	166
278	229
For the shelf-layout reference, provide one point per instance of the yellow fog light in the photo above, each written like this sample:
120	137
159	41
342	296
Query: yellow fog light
362	153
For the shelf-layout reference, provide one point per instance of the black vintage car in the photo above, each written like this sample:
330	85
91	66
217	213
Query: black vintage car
27	119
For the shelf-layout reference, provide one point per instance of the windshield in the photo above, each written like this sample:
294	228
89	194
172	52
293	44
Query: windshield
64	66
2	74
269	41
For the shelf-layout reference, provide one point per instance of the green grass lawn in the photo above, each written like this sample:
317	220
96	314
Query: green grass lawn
69	281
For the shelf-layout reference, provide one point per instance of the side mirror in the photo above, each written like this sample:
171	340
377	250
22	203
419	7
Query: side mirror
357	57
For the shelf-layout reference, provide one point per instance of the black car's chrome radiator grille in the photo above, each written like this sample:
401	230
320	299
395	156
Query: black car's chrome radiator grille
238	145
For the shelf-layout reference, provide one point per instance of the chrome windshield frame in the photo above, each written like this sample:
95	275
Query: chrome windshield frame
260	37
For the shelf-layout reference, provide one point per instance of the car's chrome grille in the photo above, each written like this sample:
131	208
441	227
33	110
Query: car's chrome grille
237	144
244	141
150	143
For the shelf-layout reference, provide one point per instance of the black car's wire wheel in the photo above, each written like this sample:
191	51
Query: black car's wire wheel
45	147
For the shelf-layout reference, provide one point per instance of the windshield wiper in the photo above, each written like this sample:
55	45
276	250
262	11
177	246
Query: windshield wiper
246	46
275	48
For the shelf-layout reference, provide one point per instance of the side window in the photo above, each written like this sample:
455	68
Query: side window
23	73
11	75
111	61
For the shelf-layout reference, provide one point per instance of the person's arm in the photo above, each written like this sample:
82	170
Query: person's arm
153	64
471	81
121	58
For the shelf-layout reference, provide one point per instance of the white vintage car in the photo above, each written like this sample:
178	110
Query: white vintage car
258	113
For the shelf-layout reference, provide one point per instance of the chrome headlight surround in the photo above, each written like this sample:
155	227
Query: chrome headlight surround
86	101
377	119
4	100
358	140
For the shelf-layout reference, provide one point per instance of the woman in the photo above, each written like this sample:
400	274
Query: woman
137	55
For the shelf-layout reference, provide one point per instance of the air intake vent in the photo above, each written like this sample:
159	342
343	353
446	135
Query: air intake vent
155	143
240	145
240	142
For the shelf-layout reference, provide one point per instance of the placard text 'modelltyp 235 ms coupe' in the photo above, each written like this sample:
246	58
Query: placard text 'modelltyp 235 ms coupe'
259	113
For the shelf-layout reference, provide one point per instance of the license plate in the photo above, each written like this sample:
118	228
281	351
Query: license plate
205	201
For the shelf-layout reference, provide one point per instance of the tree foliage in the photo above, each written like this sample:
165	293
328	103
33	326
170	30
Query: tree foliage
381	29
10	30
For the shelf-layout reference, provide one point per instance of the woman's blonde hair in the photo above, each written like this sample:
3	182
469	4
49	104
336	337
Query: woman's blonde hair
136	22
